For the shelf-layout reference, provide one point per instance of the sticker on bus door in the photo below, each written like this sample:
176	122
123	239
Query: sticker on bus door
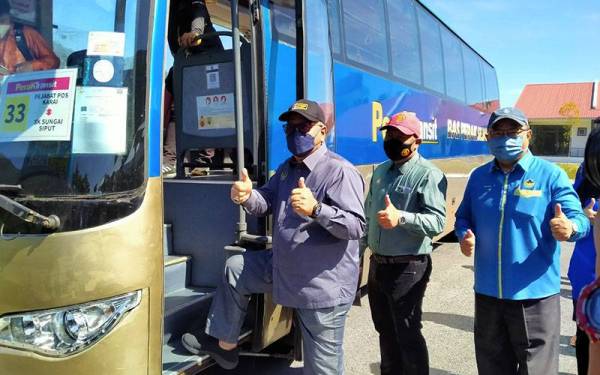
216	111
37	106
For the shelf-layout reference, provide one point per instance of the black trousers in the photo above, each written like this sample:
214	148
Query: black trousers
582	348
582	352
517	337
396	294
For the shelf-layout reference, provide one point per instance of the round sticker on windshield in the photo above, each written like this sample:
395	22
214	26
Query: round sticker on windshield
103	71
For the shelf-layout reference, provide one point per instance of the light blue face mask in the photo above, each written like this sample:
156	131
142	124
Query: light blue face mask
505	148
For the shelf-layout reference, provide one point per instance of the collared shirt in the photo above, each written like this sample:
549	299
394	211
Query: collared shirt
315	261
516	256
418	189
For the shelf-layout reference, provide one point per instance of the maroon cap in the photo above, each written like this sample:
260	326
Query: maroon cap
407	122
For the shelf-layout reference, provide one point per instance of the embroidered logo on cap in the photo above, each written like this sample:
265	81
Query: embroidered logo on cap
300	106
399	117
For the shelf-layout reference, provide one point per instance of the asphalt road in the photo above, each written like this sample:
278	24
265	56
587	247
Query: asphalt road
448	325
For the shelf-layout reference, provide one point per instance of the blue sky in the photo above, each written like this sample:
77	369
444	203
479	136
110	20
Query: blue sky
529	41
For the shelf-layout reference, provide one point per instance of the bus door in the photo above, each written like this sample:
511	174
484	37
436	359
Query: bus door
218	131
298	64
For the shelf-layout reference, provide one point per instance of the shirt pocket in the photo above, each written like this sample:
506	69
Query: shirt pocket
530	211
530	203
401	196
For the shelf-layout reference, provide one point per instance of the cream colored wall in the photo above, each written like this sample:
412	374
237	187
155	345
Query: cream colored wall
577	142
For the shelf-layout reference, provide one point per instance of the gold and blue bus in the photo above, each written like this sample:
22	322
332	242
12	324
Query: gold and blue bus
103	262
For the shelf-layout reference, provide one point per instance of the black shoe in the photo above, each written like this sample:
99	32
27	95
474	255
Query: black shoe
228	359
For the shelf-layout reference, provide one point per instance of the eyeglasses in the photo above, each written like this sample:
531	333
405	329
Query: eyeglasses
512	133
302	126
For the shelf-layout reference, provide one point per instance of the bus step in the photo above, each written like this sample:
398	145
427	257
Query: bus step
186	311
176	273
178	361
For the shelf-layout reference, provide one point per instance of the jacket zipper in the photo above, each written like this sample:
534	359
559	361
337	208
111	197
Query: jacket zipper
502	204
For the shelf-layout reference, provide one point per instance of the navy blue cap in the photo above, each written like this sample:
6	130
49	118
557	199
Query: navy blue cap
306	108
509	113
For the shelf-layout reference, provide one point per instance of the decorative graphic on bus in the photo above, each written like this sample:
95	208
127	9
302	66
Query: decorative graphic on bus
429	132
465	131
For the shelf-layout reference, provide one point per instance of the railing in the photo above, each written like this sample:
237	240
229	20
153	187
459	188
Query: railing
576	151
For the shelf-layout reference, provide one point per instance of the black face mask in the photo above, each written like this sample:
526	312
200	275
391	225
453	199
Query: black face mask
397	150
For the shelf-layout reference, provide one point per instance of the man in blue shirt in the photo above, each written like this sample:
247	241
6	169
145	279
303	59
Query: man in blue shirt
315	198
515	211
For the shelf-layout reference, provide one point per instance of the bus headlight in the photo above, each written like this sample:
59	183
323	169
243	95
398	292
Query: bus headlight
68	330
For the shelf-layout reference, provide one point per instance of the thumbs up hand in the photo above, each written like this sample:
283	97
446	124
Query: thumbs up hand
242	189
560	225
467	244
589	210
389	217
302	199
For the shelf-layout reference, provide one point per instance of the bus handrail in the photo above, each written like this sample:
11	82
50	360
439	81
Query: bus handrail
216	33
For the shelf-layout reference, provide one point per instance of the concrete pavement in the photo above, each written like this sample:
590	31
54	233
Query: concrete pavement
448	325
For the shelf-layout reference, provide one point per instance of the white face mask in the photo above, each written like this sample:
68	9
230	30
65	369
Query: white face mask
3	30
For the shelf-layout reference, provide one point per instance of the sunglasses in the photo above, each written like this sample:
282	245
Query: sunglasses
512	133
301	126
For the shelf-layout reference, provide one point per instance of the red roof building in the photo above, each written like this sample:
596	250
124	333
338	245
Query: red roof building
561	115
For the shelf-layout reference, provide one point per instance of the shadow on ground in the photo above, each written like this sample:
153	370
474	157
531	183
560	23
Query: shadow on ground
374	367
462	322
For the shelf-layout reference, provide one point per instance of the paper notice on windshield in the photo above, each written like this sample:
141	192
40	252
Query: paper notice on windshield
216	111
37	106
100	120
105	43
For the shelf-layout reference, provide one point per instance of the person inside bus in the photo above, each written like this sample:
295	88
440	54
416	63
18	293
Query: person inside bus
515	211
316	198
188	19
405	208
22	48
583	261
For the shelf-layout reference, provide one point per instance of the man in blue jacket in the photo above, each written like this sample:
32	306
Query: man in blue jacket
515	211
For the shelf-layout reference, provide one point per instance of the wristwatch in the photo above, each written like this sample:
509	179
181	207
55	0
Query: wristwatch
574	227
316	211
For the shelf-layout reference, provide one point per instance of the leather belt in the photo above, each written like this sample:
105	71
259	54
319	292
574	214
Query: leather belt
383	259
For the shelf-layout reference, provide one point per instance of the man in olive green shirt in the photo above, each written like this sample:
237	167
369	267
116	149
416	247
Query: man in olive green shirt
405	208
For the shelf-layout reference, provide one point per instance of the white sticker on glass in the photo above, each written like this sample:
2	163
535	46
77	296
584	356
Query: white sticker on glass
100	120
103	71
105	43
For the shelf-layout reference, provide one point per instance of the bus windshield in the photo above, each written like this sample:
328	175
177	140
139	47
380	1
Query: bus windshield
72	96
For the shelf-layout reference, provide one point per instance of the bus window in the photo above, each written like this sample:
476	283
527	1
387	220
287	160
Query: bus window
319	74
335	32
431	48
406	57
78	132
473	78
284	21
492	97
364	30
453	63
